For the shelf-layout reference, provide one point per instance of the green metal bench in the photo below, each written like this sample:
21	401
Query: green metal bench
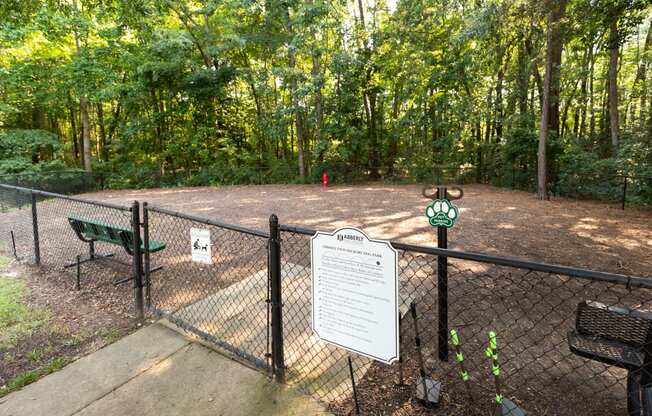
620	337
90	231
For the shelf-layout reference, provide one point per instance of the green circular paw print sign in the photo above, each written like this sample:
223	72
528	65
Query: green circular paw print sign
442	213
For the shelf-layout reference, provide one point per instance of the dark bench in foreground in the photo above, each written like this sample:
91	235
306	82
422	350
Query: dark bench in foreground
90	231
620	337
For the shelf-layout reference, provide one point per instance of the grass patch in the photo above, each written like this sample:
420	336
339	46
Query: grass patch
4	261
110	335
31	376
17	320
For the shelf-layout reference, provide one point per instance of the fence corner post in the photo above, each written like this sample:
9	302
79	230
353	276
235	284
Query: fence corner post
442	287
137	260
278	360
37	246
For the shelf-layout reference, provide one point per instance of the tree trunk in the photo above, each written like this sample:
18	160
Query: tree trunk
83	110
522	80
73	134
86	136
316	74
295	101
583	91
641	78
535	69
393	143
104	150
499	114
613	84
317	82
297	116
550	94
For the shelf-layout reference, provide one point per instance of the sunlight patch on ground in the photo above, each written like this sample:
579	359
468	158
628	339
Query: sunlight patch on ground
584	227
628	243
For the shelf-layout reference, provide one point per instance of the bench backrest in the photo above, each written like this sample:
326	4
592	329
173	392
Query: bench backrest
614	323
93	230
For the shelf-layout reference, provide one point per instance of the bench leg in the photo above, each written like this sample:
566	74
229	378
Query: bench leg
78	285
646	394
130	278
95	257
633	394
91	249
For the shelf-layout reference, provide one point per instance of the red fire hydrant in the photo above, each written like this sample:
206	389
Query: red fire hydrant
324	181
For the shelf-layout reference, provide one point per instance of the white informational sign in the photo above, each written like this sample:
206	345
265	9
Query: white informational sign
355	293
200	246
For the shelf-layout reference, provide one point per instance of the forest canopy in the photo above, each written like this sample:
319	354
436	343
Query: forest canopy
174	92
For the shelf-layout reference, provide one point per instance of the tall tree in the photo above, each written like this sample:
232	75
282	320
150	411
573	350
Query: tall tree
83	106
614	51
550	107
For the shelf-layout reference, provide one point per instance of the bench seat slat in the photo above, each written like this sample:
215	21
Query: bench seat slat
605	351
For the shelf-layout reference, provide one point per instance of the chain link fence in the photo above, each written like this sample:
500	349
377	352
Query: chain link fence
66	182
532	308
569	341
36	229
224	301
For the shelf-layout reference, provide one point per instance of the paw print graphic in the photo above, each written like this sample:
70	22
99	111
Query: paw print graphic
442	213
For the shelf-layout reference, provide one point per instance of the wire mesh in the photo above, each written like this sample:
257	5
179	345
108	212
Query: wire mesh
68	182
16	233
225	302
59	246
532	312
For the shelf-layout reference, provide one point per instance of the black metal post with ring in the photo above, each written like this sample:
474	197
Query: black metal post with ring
442	271
442	287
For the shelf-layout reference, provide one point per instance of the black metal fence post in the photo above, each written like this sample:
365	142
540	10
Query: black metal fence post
146	259
37	247
13	243
442	287
278	360
624	199
137	261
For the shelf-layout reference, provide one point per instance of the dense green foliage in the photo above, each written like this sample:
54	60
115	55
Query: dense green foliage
259	91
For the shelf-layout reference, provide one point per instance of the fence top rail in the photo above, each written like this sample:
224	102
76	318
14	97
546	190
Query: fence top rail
629	281
67	197
207	221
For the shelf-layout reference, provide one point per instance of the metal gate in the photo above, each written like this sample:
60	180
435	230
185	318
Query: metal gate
225	298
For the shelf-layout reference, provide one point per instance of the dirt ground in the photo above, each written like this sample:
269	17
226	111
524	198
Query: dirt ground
497	221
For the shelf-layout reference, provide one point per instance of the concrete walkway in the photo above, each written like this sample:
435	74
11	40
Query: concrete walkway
156	372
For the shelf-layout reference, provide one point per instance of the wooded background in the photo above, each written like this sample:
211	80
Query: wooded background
179	92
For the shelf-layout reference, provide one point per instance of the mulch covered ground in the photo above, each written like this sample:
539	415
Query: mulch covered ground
497	221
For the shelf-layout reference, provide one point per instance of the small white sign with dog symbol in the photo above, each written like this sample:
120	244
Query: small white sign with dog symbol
200	245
